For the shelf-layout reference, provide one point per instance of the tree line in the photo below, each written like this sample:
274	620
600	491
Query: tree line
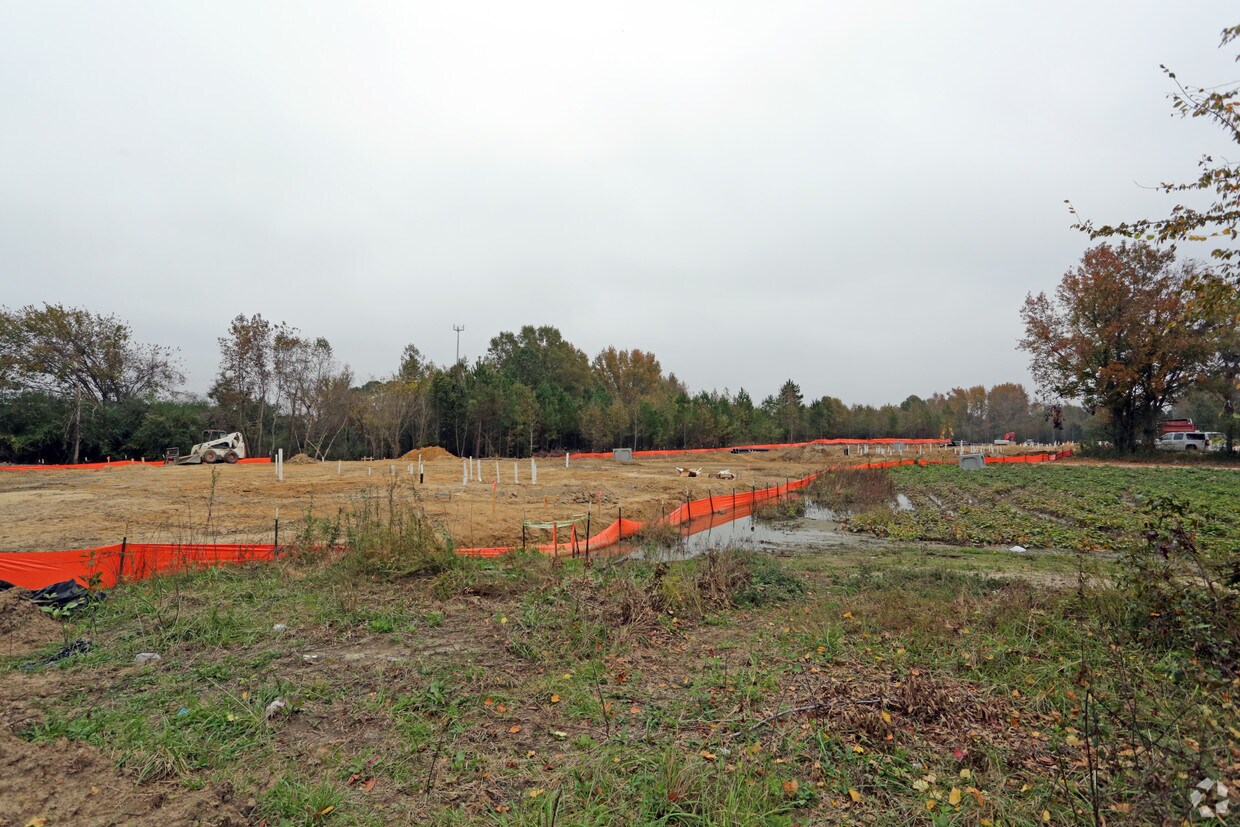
75	385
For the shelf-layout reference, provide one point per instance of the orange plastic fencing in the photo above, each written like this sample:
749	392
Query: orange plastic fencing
120	463
132	561
774	446
123	561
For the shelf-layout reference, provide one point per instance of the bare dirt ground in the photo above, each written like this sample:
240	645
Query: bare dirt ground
64	509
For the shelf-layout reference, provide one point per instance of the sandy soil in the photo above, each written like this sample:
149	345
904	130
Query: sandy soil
63	509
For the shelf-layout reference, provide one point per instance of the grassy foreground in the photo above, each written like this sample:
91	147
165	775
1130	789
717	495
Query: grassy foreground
889	684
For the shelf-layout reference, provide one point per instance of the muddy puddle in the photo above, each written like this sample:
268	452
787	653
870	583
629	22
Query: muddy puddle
818	529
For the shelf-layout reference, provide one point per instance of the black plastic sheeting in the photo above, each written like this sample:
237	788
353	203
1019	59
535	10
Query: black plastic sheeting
57	594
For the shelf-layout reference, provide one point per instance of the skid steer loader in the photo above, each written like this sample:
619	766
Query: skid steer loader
216	446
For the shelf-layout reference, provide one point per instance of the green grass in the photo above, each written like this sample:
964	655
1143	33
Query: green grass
1061	506
936	685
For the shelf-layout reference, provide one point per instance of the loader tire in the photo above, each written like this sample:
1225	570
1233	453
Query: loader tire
231	458
209	455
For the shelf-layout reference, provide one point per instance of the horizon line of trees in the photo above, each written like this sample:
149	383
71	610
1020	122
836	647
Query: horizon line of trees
68	392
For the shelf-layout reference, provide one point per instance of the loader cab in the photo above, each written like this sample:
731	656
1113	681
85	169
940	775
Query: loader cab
212	436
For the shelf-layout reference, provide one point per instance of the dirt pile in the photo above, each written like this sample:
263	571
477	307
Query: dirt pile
805	453
429	453
24	627
301	459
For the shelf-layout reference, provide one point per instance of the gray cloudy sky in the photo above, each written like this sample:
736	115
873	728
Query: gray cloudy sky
855	195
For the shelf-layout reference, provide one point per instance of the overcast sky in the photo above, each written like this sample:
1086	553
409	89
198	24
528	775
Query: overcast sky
855	195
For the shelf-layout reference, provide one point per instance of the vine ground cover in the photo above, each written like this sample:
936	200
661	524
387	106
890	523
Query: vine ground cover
1062	505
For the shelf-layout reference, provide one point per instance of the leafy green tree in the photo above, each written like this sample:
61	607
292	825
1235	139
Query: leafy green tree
70	351
628	376
1124	334
789	407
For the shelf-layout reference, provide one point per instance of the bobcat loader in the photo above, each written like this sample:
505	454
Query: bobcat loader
216	446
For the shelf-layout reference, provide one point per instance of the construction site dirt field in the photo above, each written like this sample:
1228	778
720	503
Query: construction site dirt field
64	509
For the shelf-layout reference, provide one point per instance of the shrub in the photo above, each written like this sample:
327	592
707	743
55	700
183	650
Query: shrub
854	490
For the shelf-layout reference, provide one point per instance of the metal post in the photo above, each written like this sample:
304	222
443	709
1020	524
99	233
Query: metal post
121	574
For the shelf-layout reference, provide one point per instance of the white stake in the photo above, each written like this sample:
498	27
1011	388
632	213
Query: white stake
566	459
338	464
497	472
515	479
464	472
280	464
533	471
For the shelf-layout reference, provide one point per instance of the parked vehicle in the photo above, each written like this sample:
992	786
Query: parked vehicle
1183	441
1218	441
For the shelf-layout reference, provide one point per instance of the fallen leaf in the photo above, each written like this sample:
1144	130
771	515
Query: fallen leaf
1046	816
501	708
709	756
854	795
921	785
368	786
847	615
489	702
514	729
534	793
37	821
555	699
327	809
930	804
502	808
886	716
953	797
790	788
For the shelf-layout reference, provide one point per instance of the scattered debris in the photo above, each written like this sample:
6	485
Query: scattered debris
147	657
279	628
688	472
77	647
1018	548
724	475
275	708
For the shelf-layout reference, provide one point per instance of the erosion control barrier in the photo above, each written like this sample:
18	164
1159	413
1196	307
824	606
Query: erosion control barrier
120	463
107	565
774	446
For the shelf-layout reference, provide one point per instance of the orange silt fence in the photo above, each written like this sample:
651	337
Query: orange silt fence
108	565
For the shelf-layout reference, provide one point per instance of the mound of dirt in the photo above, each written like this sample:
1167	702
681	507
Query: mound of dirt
24	627
429	453
301	459
804	453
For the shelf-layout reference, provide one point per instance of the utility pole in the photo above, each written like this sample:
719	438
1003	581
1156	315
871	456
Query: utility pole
458	329
77	424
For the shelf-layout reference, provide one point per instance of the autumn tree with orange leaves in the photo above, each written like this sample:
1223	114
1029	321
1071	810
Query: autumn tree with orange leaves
1123	334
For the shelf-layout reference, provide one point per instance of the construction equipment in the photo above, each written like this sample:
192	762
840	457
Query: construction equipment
216	446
